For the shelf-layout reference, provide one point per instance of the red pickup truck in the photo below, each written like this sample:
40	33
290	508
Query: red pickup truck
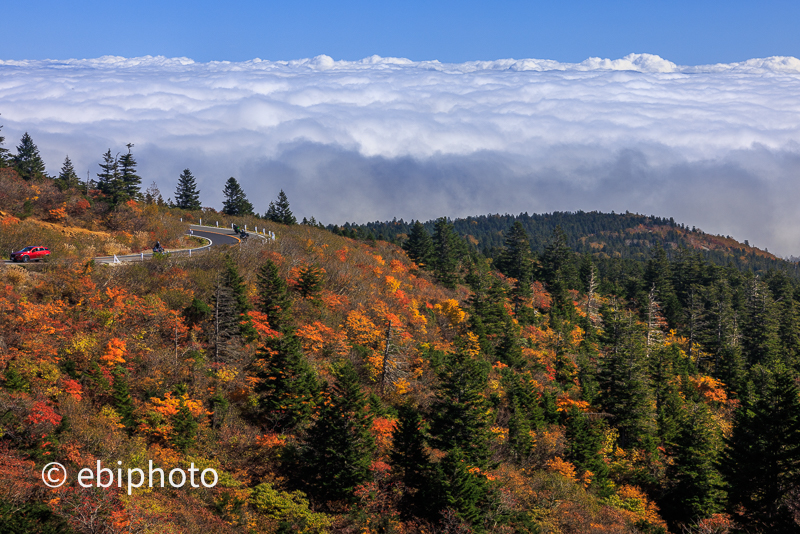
30	253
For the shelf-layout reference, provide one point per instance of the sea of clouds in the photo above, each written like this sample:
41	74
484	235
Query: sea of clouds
715	146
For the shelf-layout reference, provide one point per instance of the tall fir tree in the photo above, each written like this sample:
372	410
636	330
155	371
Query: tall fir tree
625	380
419	246
286	385
273	296
109	180
699	490
409	457
761	462
279	211
130	182
235	282
235	202
339	446
461	414
3	151
187	197
447	253
585	441
27	162
516	261
123	404
67	177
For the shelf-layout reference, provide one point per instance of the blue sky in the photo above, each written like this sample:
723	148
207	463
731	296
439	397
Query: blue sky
685	32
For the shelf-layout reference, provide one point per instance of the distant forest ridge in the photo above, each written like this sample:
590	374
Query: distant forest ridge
603	235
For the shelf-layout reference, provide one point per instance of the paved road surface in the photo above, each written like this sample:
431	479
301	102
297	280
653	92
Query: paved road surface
215	236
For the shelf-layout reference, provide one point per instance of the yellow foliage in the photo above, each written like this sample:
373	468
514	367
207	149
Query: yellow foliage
392	284
450	309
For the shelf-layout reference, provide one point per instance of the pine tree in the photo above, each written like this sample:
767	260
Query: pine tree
516	261
3	152
121	394
310	282
27	162
585	440
519	431
67	177
130	182
419	246
460	412
110	180
279	211
699	487
273	296
447	253
761	462
286	384
462	489
760	341
408	456
559	274
235	282
625	379
235	202
187	197
184	426
339	447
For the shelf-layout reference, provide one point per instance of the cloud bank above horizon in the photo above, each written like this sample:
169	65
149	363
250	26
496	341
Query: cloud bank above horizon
716	146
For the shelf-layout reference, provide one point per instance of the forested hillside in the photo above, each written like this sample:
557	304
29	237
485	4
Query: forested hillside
603	235
348	385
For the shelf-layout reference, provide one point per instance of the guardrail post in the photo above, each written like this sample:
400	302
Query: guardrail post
201	222
217	224
190	253
181	219
142	253
245	227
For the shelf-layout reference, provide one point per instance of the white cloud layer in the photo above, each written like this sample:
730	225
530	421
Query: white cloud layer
717	146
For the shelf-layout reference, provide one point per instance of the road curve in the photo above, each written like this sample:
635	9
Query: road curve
215	236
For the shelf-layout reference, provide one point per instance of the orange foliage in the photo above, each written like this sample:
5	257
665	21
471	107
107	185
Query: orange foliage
565	404
563	467
114	353
382	429
711	389
321	340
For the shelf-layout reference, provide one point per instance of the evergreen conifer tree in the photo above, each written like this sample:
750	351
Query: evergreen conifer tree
699	487
460	411
67	177
235	282
625	379
130	182
273	296
419	246
279	211
338	449
462	489
585	441
287	386
121	394
187	197
109	181
310	282
519	431
409	458
184	426
3	151
516	261
447	253
760	340
235	202
761	462
27	162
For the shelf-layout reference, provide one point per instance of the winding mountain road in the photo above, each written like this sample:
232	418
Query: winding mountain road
214	236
